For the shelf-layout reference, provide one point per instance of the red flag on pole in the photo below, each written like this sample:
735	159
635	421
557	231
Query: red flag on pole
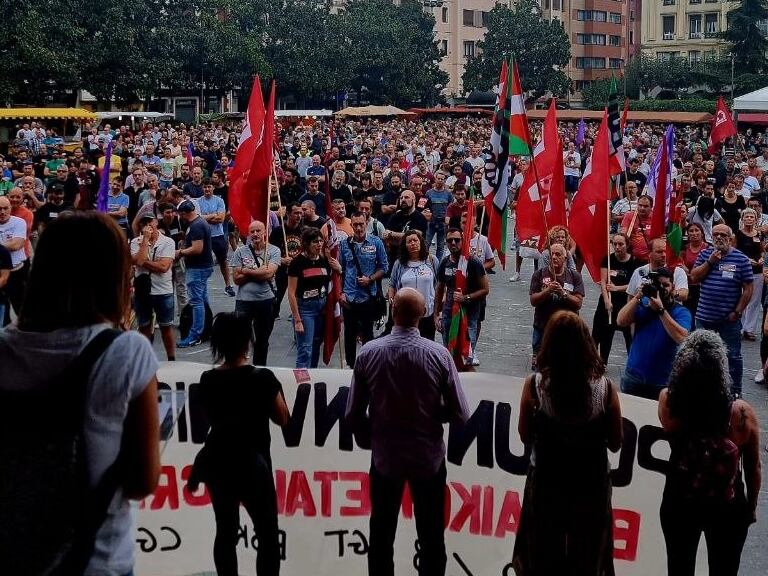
250	138
257	182
541	205
588	222
722	126
625	114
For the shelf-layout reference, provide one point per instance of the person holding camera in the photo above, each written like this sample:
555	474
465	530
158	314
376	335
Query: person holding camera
726	277
660	325
657	258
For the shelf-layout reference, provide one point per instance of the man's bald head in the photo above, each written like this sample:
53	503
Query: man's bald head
408	308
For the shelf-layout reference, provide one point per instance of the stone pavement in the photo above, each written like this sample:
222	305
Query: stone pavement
504	348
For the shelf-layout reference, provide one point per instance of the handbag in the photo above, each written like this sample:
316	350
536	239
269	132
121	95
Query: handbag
377	303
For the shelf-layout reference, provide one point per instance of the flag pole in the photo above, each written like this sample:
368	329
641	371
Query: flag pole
280	208
266	224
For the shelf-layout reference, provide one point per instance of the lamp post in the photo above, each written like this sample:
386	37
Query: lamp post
732	62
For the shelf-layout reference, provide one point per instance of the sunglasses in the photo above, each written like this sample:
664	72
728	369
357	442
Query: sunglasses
453	240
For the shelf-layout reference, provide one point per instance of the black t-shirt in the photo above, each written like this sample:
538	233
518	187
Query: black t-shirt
199	230
752	249
5	258
343	192
223	192
237	403
446	274
731	212
400	222
312	277
48	212
621	272
290	194
172	230
193	190
638	178
133	194
292	239
316	224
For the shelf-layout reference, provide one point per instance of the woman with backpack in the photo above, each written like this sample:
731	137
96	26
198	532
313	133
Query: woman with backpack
570	415
235	464
78	399
416	268
715	457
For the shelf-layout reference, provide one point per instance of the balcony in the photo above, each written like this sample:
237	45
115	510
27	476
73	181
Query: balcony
694	35
669	36
712	34
668	2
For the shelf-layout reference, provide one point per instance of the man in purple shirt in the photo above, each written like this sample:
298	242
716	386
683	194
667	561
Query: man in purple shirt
410	387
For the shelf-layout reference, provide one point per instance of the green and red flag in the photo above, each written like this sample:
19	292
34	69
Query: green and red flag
458	333
497	167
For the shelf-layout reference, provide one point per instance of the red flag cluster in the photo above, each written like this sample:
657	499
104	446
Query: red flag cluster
249	177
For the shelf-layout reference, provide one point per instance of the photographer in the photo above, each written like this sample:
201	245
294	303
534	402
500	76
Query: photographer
660	325
657	258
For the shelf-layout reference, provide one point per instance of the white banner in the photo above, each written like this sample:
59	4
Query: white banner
321	474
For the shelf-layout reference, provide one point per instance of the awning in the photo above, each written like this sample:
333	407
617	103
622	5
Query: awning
633	116
757	100
46	114
141	115
373	111
752	118
301	113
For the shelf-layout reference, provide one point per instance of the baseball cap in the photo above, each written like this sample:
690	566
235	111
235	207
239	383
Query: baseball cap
186	206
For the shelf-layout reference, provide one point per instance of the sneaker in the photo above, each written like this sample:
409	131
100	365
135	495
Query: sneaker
760	377
187	343
475	361
515	277
230	291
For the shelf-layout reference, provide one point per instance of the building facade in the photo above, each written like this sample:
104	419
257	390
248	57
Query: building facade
684	28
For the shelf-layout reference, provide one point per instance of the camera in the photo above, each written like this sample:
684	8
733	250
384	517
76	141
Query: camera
651	285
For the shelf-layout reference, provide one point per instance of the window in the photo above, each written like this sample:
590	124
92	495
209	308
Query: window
590	63
666	56
694	26
711	1
598	39
443	47
668	2
614	40
615	18
591	15
484	19
615	63
694	57
631	37
668	27
469	49
445	15
710	24
546	4
556	5
695	1
468	17
581	84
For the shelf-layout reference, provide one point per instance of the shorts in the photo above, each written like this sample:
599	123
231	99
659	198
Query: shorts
220	247
162	307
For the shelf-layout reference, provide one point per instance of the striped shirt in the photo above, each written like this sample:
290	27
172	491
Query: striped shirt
722	287
410	386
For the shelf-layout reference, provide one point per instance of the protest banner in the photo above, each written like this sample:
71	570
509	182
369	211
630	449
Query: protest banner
321	473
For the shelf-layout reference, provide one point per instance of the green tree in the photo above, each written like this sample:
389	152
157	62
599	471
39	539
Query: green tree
390	51
40	47
748	45
541	48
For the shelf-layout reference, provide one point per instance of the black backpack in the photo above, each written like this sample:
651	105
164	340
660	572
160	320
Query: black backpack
49	516
185	322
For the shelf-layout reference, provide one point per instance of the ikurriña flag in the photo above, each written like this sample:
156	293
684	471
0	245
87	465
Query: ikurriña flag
458	332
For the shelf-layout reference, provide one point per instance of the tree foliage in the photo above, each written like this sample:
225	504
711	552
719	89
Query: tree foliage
540	47
748	45
391	51
123	52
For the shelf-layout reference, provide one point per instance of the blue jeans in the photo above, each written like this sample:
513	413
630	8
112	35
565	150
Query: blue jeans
436	229
730	332
197	290
308	343
634	385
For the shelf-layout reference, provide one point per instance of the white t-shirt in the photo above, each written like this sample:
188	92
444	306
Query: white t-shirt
480	248
30	359
576	169
164	247
14	228
679	280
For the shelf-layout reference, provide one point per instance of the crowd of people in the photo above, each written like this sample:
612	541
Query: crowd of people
361	204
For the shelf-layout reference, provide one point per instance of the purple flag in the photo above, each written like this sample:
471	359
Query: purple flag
580	131
101	202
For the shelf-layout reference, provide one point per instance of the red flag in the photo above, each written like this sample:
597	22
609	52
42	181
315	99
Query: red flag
588	222
722	126
625	115
541	205
257	182
250	138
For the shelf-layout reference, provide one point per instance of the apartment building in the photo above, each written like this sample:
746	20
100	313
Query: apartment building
687	28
